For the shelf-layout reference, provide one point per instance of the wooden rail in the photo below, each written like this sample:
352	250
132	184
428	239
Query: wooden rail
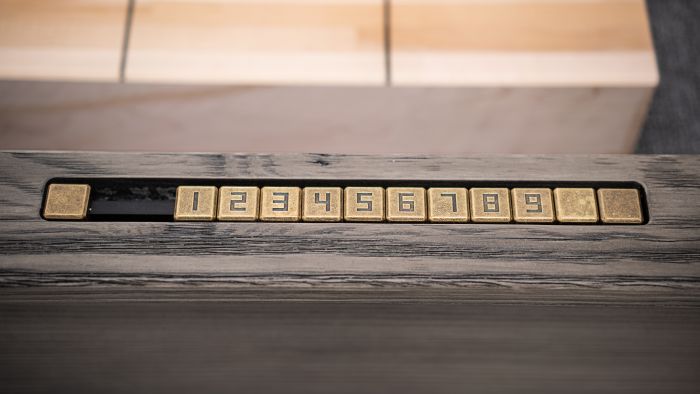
342	307
664	252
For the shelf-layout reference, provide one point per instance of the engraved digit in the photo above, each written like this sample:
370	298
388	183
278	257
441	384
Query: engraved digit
195	201
317	200
284	201
534	199
490	202
453	196
361	201
243	200
406	205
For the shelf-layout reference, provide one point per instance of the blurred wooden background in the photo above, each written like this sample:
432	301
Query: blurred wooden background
341	76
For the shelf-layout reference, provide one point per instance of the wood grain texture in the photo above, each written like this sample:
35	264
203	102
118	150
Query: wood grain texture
298	42
663	253
339	42
112	340
361	120
307	307
522	43
521	25
565	76
61	39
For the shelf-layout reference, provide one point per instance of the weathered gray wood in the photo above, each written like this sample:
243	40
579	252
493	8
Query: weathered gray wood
308	307
663	253
112	340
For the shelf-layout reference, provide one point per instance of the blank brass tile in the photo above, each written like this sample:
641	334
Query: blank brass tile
67	201
280	204
448	205
195	203
238	203
364	204
620	206
322	204
532	205
405	204
490	205
575	205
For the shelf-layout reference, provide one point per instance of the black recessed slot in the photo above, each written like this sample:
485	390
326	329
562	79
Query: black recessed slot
125	200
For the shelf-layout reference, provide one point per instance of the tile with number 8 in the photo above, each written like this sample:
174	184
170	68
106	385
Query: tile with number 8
490	205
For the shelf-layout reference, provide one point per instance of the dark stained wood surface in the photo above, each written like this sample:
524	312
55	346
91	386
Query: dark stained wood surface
316	308
665	252
114	340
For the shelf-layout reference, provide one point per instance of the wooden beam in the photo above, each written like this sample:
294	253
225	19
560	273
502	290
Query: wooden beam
334	42
61	39
522	42
664	252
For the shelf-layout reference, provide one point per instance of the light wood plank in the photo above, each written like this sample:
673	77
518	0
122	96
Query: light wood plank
258	42
61	39
522	42
367	120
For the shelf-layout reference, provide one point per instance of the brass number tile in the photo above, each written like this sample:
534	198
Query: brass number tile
280	204
620	206
322	204
575	205
405	204
195	203
238	203
532	205
67	201
490	205
364	204
448	205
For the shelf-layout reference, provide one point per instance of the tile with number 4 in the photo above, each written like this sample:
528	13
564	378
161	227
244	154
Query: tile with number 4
322	204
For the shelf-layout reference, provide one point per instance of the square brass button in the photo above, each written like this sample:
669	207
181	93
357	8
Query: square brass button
280	204
490	205
67	202
620	206
448	205
532	205
405	204
364	204
322	204
195	203
575	205
238	203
